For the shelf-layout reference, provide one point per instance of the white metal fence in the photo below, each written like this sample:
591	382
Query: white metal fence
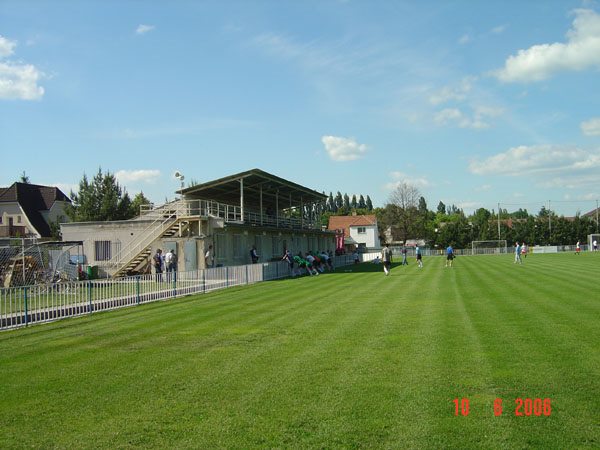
25	305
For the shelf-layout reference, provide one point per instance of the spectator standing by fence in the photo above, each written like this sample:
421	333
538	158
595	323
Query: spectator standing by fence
253	255
157	260
209	257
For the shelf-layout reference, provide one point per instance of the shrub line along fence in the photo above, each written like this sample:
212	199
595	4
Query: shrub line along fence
25	305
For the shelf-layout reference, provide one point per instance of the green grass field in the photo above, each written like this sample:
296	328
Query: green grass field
344	360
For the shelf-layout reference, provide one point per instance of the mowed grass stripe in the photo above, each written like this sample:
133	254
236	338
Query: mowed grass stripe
527	347
342	360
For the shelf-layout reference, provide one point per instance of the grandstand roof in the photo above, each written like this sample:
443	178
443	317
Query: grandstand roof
256	184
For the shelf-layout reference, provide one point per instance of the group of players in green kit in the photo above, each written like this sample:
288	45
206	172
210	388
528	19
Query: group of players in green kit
313	263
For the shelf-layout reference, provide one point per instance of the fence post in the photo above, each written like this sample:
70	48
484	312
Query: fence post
204	281
90	296
227	276
137	289
246	273
26	312
174	283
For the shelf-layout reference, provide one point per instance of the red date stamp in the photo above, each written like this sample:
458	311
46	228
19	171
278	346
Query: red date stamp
523	407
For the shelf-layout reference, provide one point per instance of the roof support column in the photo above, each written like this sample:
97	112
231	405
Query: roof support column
242	198
301	212
277	208
261	206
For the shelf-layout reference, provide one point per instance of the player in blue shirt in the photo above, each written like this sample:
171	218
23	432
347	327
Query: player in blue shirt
449	256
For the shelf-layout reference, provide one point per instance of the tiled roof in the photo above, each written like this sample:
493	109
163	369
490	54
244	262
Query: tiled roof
33	198
345	222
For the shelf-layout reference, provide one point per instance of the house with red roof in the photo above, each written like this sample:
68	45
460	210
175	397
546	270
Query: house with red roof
355	232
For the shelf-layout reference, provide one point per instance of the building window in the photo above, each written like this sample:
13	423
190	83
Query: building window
18	219
102	250
362	230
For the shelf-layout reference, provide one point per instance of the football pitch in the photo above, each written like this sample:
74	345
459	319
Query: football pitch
487	354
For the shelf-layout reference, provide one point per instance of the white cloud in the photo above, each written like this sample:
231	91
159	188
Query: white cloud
468	205
343	149
137	176
400	177
143	29
477	120
458	93
448	115
499	29
483	187
547	160
464	39
581	51
591	127
6	47
20	81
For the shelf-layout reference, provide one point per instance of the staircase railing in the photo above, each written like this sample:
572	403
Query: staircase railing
163	217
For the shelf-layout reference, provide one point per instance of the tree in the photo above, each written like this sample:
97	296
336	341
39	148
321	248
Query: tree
24	178
331	203
441	208
404	201
99	200
361	202
346	203
369	203
339	201
138	201
353	202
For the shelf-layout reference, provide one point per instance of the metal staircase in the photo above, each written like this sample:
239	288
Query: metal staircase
166	221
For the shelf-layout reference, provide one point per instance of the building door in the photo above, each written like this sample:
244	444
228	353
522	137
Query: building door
190	255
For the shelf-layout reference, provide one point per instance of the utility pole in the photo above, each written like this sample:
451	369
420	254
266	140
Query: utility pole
498	221
549	223
596	215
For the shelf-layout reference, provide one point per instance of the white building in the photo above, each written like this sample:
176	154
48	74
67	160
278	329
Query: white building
360	232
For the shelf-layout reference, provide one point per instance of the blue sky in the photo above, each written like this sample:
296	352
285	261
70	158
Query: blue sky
473	102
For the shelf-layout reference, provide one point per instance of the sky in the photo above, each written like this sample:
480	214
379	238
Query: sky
475	103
